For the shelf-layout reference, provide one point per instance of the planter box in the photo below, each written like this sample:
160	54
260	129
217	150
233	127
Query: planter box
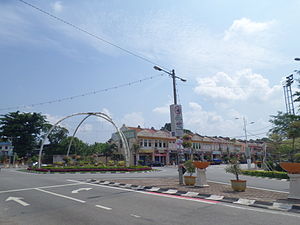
201	165
189	180
291	168
238	185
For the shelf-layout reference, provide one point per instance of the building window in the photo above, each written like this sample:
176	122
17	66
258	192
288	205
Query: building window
164	144
149	143
160	144
141	143
145	143
155	144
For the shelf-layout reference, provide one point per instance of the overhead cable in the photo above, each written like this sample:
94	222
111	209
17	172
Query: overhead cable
82	95
90	34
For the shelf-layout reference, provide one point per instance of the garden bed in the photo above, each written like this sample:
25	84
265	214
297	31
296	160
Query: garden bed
261	173
89	169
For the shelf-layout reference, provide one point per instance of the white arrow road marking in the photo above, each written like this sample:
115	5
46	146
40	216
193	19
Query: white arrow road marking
136	216
103	207
18	200
59	195
81	189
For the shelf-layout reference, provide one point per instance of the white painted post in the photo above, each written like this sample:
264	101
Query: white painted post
201	178
294	186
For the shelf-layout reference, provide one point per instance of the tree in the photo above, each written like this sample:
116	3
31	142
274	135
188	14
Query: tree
24	130
288	127
57	134
78	147
108	150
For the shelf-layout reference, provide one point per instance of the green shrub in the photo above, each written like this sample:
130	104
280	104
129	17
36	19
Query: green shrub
121	163
189	166
234	168
261	173
58	164
110	163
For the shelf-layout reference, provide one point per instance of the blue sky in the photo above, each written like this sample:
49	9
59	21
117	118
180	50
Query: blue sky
234	55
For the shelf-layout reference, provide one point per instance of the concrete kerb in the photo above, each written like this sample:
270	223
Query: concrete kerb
240	201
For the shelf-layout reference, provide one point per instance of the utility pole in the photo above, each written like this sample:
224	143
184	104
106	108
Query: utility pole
174	77
177	132
247	150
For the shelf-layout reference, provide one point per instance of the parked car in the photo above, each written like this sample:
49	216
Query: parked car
217	161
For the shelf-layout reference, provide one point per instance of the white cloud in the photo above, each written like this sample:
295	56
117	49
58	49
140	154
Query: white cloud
208	123
86	127
242	85
52	118
245	26
107	112
162	110
57	6
134	119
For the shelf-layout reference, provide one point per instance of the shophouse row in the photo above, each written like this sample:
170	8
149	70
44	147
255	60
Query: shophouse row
151	145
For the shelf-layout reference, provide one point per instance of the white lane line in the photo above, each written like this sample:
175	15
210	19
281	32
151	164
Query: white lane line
263	189
136	216
220	203
153	193
59	195
103	207
54	186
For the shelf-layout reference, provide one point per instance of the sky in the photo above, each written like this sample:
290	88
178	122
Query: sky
233	54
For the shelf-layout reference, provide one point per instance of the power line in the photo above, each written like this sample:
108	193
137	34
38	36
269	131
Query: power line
82	95
261	128
249	135
89	33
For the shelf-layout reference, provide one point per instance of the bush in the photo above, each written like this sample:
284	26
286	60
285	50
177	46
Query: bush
261	173
189	166
234	168
110	163
121	163
58	164
90	169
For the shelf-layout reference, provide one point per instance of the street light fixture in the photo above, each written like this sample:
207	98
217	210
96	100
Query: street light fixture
297	59
172	74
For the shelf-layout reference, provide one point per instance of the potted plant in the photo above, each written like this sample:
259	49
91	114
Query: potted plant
234	168
190	169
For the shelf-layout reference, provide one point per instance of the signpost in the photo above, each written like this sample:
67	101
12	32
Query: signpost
176	120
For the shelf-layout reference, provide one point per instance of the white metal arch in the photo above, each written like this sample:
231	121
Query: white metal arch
70	144
98	114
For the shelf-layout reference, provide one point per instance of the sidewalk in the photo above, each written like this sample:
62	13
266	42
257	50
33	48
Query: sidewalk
224	193
213	189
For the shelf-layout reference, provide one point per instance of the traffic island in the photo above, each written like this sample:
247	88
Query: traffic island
89	169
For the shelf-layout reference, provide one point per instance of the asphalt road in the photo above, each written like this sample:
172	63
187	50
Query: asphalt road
29	199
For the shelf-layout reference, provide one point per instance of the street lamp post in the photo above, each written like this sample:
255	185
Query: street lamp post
179	148
247	150
172	74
